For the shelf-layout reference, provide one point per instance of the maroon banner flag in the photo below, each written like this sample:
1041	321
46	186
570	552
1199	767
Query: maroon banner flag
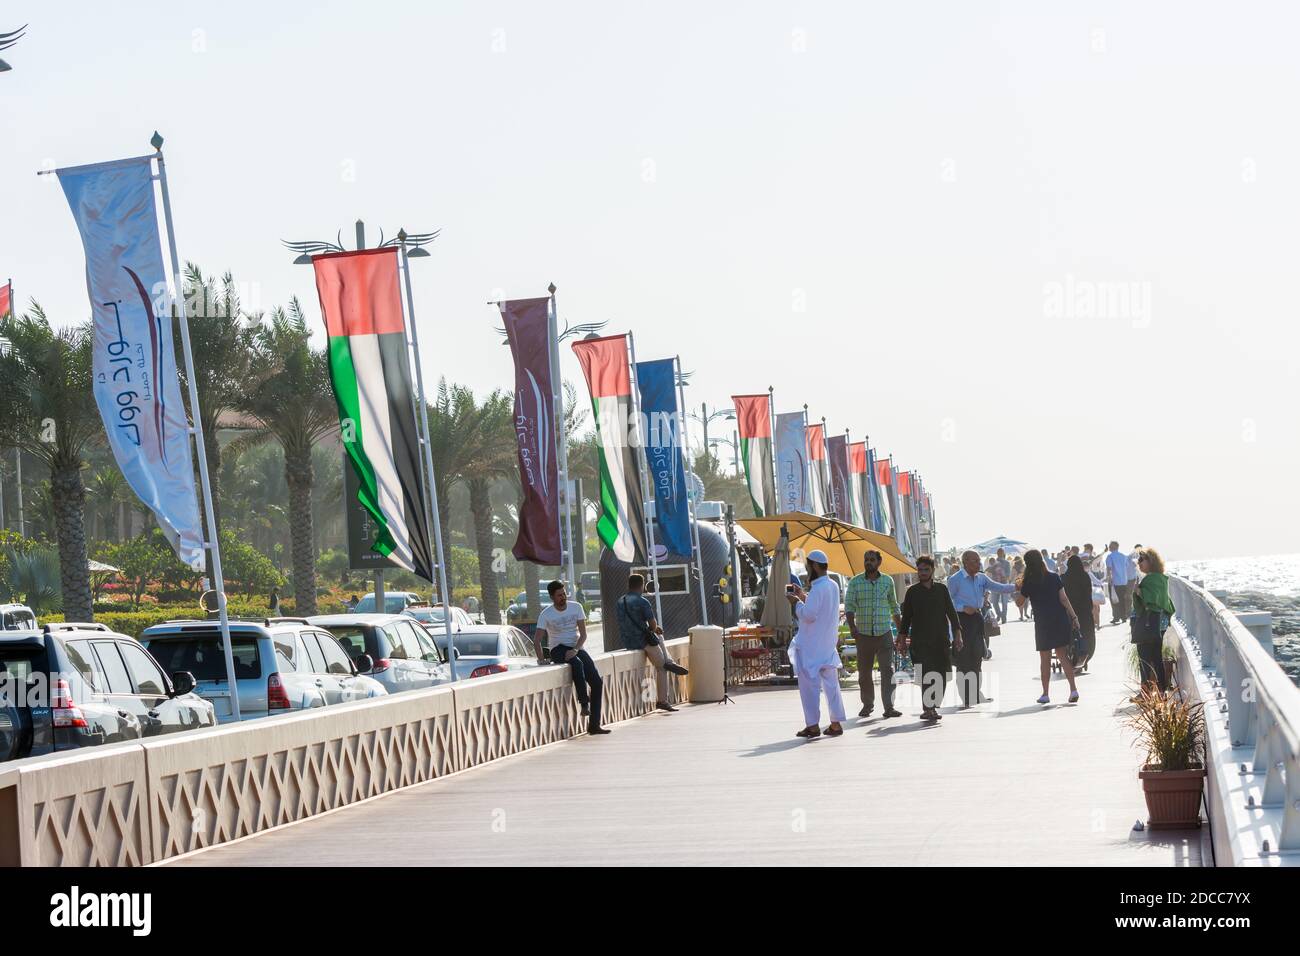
528	330
837	452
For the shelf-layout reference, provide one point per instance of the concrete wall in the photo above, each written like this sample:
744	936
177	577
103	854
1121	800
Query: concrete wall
135	804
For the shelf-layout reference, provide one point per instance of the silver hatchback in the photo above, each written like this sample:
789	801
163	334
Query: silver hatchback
401	654
281	664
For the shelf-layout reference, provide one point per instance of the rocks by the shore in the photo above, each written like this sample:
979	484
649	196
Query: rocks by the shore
1286	624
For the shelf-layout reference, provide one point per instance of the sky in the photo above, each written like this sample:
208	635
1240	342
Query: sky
1040	253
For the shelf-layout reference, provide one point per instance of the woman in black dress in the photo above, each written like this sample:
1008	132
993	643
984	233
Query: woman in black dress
1078	588
1053	616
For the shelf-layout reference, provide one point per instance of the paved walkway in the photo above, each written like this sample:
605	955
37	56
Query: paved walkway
1005	783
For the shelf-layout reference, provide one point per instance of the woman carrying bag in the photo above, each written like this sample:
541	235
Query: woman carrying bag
1151	612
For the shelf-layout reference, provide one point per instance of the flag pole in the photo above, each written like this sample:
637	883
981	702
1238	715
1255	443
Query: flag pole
771	427
646	498
561	439
428	455
690	500
213	544
830	503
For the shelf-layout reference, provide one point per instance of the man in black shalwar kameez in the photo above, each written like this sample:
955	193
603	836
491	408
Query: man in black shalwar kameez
927	614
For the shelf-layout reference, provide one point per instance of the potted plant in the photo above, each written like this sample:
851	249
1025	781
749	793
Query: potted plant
1171	732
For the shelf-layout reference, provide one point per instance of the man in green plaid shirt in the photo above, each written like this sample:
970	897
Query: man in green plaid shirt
870	605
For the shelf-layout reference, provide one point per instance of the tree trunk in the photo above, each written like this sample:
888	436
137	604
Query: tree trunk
213	448
480	505
444	518
298	475
68	496
532	584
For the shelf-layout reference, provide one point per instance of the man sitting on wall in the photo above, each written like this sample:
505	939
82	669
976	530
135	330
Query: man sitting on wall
640	631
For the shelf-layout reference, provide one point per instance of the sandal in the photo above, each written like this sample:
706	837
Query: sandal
1044	699
834	730
1074	696
810	732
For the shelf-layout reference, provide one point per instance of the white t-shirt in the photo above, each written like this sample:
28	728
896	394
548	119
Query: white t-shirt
561	627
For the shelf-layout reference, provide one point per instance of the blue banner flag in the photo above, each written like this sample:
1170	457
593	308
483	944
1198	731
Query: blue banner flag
134	362
792	463
657	382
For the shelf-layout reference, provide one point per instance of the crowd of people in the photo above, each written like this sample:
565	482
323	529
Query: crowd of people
943	626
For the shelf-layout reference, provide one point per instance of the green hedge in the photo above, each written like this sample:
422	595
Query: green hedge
134	622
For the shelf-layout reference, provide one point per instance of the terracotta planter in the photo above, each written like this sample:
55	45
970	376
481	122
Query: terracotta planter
1173	797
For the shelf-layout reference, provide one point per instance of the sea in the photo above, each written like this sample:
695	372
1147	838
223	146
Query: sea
1266	583
1276	574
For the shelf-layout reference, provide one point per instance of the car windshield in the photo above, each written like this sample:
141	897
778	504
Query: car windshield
19	663
393	604
202	656
20	620
471	645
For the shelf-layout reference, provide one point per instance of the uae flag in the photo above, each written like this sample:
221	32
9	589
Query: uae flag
754	418
858	484
362	306
885	483
621	526
817	468
6	299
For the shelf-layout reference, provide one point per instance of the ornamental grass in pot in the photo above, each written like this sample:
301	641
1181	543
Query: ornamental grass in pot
1171	732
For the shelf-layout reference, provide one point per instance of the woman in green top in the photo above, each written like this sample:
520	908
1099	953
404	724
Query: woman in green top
1151	612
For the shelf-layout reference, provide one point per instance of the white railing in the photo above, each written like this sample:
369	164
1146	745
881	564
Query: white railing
1252	715
140	803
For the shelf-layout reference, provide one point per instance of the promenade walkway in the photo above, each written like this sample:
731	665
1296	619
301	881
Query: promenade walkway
1005	783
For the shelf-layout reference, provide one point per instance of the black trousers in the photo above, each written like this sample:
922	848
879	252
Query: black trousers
584	675
1152	662
932	671
970	659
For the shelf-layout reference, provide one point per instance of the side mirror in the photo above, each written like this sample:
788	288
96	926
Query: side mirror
182	683
364	663
455	654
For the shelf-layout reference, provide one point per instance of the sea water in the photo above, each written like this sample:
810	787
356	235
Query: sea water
1269	583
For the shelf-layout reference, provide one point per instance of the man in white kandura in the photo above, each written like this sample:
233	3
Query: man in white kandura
814	650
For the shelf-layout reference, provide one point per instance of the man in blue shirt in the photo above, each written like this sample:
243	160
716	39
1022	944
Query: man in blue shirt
639	631
1118	576
968	589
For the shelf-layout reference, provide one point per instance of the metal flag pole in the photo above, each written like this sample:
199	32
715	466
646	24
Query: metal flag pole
646	498
771	427
428	455
213	544
807	503
690	500
561	439
828	475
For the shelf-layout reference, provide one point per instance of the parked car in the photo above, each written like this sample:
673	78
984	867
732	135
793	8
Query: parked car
395	602
489	649
78	685
17	617
517	612
281	664
401	654
435	616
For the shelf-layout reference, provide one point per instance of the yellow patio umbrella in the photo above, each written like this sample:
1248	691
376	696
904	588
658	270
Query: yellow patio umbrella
844	544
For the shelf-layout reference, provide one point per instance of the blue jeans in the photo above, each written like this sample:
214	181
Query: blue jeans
584	675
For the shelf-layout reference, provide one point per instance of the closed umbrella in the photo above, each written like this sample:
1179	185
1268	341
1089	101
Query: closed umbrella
844	544
778	615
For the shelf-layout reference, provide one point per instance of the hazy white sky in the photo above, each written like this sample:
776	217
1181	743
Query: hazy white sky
1042	253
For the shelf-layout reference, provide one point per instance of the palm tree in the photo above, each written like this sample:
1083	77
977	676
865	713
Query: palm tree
109	493
50	413
494	457
453	428
288	398
222	343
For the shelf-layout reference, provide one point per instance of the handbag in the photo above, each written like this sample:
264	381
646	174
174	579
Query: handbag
991	626
1077	649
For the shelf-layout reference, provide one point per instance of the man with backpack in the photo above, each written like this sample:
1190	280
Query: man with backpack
639	631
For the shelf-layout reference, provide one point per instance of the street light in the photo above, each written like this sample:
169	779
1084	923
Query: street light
705	416
735	449
6	41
